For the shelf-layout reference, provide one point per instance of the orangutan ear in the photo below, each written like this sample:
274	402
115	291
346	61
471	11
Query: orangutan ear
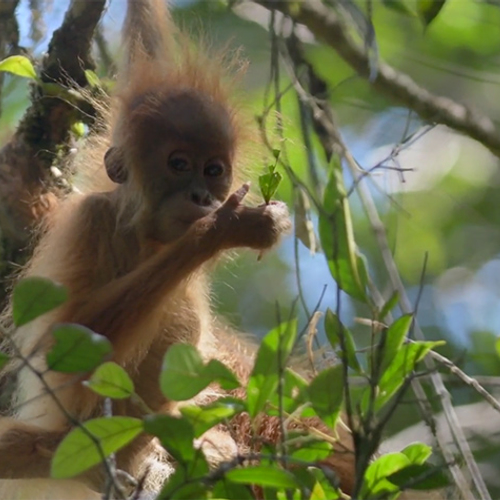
115	165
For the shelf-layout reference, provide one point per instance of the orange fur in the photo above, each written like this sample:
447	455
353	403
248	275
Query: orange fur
134	268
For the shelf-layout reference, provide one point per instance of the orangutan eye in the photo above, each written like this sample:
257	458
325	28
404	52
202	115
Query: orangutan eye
179	163
214	170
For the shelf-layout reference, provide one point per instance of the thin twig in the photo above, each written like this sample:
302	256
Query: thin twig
470	381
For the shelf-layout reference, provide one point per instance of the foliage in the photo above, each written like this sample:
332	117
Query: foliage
34	296
291	467
184	375
337	237
270	182
91	442
20	66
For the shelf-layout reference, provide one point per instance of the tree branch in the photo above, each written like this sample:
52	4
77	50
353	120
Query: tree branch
325	24
69	49
44	131
9	33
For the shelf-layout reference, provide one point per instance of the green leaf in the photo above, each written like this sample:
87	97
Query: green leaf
52	89
314	482
376	474
203	418
391	303
175	434
20	66
335	332
395	335
112	381
429	9
326	393
401	366
417	453
497	347
35	296
319	493
215	370
226	489
180	375
293	394
78	128
325	489
4	359
337	238
268	184
184	375
92	78
272	356
304	478
273	494
362	266
77	349
86	446
263	475
399	6
308	449
420	477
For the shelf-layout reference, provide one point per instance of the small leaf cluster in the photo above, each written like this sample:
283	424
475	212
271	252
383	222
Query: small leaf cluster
427	10
270	181
346	264
291	468
21	66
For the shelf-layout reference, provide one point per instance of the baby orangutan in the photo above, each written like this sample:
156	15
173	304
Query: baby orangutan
133	254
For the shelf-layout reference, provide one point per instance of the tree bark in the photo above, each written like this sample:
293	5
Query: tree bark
28	189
